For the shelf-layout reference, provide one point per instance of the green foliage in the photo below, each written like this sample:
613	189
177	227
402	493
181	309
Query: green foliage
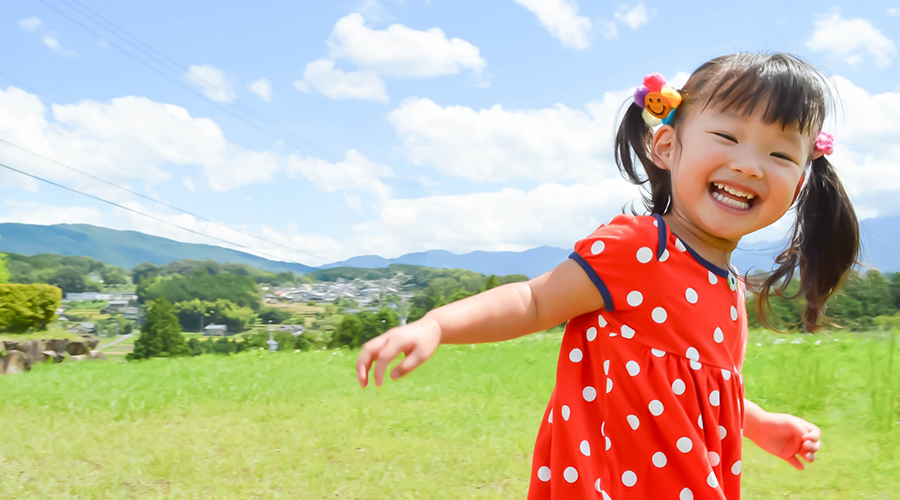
4	272
357	329
222	345
161	334
286	341
27	306
68	279
55	270
113	275
273	315
241	290
194	313
144	271
861	298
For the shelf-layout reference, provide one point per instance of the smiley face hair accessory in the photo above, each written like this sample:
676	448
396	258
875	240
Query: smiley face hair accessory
658	100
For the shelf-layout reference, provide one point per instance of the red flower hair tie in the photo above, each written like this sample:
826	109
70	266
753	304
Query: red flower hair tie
825	143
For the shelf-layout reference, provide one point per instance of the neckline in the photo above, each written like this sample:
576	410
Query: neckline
664	231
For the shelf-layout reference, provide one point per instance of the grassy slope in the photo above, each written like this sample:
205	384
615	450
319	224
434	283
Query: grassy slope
298	426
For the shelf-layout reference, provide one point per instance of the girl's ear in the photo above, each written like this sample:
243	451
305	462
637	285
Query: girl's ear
662	150
799	187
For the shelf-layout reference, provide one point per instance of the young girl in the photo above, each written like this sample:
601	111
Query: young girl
649	396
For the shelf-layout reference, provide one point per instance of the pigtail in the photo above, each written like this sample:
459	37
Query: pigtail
633	141
824	244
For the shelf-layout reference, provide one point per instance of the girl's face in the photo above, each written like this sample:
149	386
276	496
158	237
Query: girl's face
732	174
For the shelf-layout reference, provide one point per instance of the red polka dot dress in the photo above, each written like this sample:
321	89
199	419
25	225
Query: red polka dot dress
648	402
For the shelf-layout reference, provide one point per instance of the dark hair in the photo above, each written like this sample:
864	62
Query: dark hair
825	238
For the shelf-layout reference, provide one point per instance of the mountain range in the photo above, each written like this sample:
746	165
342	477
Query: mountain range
880	243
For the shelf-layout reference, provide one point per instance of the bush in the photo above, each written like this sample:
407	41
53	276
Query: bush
273	315
161	335
27	306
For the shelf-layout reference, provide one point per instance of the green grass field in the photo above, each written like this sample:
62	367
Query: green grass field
288	425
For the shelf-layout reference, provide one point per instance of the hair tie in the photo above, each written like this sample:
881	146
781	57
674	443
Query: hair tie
658	100
825	143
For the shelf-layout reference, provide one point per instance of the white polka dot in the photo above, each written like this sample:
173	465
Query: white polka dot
686	494
685	444
634	298
712	481
659	459
656	407
597	484
633	368
678	386
585	448
550	417
655	223
658	353
713	458
597	247
591	334
722	432
693	354
566	412
736	468
712	278
714	398
589	393
608	385
695	365
726	374
575	355
718	336
627	331
544	473
665	256
608	443
601	321
659	315
629	478
691	295
644	255
605	496
570	474
679	245
700	421
733	313
606	367
633	421
612	334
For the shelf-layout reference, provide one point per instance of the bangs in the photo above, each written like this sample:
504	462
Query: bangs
786	89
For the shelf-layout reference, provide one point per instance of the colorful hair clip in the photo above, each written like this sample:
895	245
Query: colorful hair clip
657	100
825	143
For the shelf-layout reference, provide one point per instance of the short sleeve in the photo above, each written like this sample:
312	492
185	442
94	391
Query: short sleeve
616	257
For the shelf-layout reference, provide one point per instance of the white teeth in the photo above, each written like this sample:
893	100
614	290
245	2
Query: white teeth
728	201
735	192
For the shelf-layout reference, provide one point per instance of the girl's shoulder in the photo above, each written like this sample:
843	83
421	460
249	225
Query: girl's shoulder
627	229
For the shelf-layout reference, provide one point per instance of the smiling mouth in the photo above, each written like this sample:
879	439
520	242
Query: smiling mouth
663	110
732	197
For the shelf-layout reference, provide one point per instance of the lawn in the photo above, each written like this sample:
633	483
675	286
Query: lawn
286	425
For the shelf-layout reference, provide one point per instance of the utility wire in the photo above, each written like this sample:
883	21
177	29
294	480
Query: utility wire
123	188
146	214
254	121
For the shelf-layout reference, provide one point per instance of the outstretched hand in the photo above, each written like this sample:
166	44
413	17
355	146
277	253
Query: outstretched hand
787	436
417	340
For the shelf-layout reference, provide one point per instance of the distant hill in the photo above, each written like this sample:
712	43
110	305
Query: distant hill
123	248
880	241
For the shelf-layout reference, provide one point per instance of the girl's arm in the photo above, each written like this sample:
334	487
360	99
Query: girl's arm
753	413
516	309
501	313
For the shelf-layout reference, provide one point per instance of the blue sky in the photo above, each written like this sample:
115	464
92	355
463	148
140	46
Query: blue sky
392	126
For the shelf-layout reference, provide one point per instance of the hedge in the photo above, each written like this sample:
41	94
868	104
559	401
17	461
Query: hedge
27	306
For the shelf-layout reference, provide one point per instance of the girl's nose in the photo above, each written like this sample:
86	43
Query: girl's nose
748	165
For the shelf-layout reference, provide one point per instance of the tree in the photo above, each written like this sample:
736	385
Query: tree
895	289
4	273
143	271
113	275
347	333
161	334
273	315
68	279
492	282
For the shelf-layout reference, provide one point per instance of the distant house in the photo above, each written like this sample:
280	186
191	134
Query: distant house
84	327
214	330
79	296
115	306
130	312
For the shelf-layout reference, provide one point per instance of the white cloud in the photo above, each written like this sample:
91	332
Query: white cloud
850	39
608	29
496	144
354	173
402	51
561	19
262	88
322	77
189	184
51	42
29	24
633	17
212	81
893	11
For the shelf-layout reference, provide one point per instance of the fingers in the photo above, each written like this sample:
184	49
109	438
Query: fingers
409	363
813	433
796	463
366	356
809	449
385	356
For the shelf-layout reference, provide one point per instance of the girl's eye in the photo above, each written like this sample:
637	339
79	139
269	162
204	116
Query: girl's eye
784	157
725	136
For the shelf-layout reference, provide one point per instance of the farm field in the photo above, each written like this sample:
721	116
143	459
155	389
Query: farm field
297	425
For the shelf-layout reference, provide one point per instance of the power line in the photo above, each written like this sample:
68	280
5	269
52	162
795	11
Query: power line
256	119
145	214
123	188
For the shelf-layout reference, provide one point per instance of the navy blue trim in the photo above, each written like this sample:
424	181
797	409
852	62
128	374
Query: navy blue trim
661	246
604	292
